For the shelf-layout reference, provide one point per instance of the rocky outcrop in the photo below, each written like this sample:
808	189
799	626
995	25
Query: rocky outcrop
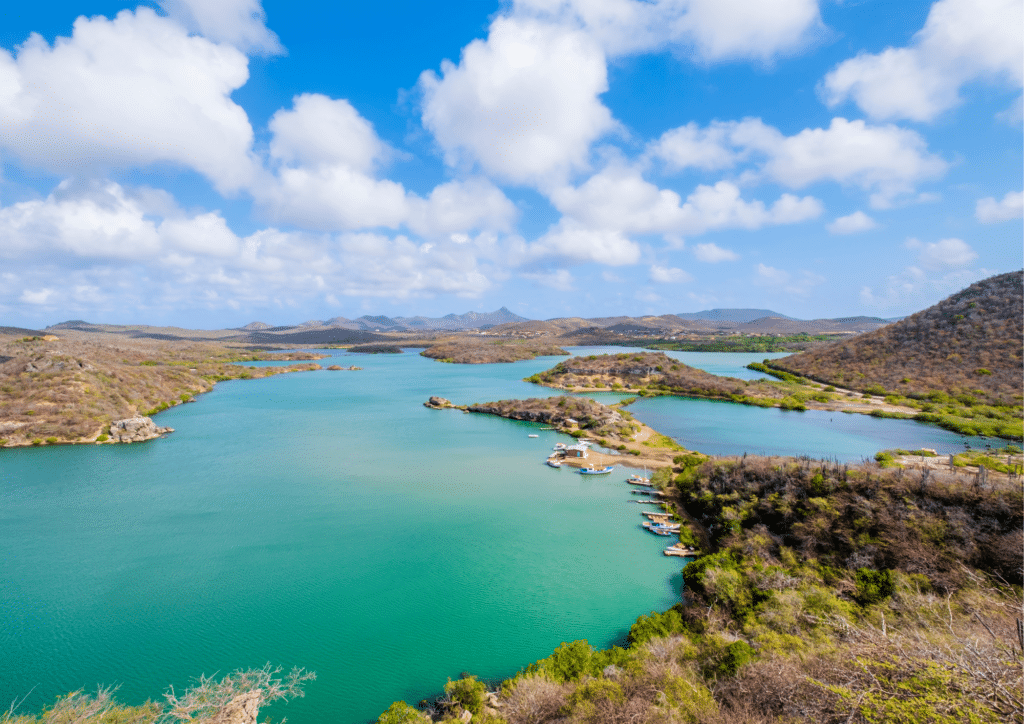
440	403
136	429
335	368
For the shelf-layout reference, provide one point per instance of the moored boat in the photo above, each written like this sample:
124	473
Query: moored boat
552	462
595	471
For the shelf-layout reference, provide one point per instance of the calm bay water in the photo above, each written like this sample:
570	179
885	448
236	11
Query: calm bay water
329	520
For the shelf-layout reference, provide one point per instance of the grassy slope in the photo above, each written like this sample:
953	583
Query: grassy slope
968	344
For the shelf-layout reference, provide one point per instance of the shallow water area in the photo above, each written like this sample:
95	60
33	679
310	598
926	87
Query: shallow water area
328	520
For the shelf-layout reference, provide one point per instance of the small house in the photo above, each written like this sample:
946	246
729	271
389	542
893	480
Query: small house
576	451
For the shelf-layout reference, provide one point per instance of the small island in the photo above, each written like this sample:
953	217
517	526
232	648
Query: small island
375	349
471	352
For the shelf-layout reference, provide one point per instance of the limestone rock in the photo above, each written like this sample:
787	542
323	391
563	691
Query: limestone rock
136	429
466	716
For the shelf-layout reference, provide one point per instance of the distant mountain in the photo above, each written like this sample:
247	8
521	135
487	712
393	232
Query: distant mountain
255	326
455	322
967	343
741	316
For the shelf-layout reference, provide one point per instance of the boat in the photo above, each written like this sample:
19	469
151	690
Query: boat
592	471
554	463
559	446
532	435
632	481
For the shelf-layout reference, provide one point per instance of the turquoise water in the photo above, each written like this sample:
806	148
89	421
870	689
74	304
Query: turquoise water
329	520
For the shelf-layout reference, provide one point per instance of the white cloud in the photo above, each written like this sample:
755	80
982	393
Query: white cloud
560	279
990	211
943	253
460	206
113	247
570	241
712	253
36	296
853	223
131	91
241	23
322	131
799	284
691	146
619	198
961	41
523	103
669	275
887	161
708	29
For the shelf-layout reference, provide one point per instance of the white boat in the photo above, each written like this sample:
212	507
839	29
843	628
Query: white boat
559	446
554	463
533	435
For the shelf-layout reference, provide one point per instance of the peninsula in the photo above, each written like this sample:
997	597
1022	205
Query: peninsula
469	351
628	441
78	389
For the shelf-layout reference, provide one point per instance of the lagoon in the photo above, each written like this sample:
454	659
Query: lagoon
329	520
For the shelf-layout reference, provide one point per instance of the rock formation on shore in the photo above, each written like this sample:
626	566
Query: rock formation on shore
136	429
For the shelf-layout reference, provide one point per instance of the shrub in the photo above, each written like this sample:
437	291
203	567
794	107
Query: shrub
51	440
401	713
103	437
874	586
468	693
982	371
37	441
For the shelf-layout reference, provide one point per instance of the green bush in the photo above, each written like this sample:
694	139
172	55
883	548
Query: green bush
103	437
656	625
874	586
731	659
468	692
51	440
401	713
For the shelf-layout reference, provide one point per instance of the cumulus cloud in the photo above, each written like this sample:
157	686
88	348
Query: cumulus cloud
112	246
460	206
887	161
962	40
619	198
241	23
570	241
523	104
712	253
943	254
560	279
853	223
990	211
131	91
799	284
709	30
669	275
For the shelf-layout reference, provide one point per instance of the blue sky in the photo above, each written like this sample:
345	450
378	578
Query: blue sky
208	163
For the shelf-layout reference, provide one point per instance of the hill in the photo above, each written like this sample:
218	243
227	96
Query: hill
967	345
732	315
62	390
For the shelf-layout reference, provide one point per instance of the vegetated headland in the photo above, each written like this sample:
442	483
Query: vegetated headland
375	349
610	426
71	389
471	351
